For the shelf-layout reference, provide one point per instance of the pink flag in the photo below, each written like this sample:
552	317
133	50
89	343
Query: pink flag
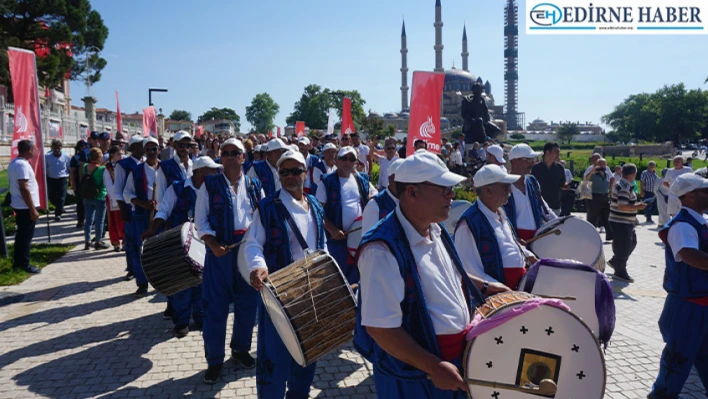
200	131
424	120
300	129
119	117
347	124
149	122
278	131
28	125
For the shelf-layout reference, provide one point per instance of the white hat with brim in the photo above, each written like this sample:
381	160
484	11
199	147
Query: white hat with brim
294	155
303	140
233	142
425	166
136	139
393	167
181	135
329	146
678	157
205	162
276	144
491	174
148	140
521	151
346	150
498	153
687	183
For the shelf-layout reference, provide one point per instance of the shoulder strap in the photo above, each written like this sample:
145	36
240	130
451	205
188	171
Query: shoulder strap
286	215
363	198
477	296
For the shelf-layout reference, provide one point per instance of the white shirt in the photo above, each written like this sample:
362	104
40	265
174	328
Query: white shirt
683	235
20	169
317	173
243	212
129	190
674	204
364	156
350	198
456	157
274	172
382	288
110	187
309	162
170	199
383	170
524	212
568	176
119	183
371	213
509	248
256	236
162	182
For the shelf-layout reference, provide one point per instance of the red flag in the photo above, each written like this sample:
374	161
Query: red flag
300	129
278	131
149	122
200	131
28	125
424	122
270	133
119	117
347	124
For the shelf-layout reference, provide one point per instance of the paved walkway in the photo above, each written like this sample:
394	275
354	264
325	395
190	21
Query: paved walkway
77	332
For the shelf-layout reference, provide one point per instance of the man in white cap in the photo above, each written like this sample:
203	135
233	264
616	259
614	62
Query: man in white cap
122	170
495	155
266	170
176	208
226	204
488	247
364	153
303	145
674	205
384	202
344	195
139	193
323	166
526	208
385	160
410	274
177	168
285	227
684	320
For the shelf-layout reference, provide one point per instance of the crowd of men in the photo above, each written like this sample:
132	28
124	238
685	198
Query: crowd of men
418	283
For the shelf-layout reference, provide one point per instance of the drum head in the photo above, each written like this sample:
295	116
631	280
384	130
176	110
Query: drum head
196	250
578	240
546	342
282	325
457	208
354	238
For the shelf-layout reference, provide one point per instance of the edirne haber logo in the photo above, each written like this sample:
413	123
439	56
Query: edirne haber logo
427	129
617	17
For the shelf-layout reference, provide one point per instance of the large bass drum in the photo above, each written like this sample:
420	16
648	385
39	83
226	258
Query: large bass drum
174	260
573	239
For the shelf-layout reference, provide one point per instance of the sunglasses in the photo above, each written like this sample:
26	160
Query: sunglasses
151	149
234	153
390	148
347	159
291	172
184	145
446	191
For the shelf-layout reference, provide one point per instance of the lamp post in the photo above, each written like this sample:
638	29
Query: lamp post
150	94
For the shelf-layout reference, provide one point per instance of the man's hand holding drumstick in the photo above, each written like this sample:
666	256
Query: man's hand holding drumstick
258	276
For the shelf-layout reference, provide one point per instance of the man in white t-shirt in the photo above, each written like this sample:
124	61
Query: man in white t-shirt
364	152
674	205
24	194
386	161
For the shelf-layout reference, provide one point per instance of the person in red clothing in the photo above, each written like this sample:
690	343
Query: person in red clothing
115	223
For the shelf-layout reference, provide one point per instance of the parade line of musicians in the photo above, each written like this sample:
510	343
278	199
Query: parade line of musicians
415	306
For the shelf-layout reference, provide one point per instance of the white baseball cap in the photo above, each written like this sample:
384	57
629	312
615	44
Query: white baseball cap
293	147
150	139
393	167
490	174
686	183
233	141
522	151
425	166
258	148
303	140
294	155
329	146
181	135
498	152
276	144
136	139
678	157
346	150
205	162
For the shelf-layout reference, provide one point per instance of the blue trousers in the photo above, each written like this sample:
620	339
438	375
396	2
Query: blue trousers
128	258
95	210
134	246
220	286
392	388
275	368
187	304
340	252
684	327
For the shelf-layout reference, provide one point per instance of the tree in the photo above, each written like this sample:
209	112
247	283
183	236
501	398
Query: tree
390	131
372	125
311	108
261	113
180	115
567	131
517	136
63	33
358	114
222	113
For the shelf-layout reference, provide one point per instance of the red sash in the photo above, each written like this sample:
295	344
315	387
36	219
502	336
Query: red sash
513	276
525	234
699	301
452	345
239	232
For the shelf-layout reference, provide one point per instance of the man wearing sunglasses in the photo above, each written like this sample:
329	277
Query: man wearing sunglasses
344	195
323	166
303	145
364	153
138	192
272	245
384	161
484	233
384	202
224	211
267	170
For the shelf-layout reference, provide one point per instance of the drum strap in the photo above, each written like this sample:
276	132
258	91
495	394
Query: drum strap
286	215
466	281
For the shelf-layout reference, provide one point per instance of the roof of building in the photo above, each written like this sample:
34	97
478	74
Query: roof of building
459	75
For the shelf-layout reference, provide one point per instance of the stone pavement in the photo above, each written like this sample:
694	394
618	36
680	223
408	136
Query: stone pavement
78	333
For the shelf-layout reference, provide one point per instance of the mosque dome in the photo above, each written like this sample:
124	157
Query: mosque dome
459	80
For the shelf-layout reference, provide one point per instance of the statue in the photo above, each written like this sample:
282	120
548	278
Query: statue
477	124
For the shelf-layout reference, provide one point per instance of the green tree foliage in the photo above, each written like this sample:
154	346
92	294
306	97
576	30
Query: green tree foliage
389	131
261	113
180	115
517	136
64	33
567	131
372	125
358	114
315	101
672	113
221	113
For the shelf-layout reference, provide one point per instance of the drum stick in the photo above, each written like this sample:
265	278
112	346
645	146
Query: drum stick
562	298
152	212
352	230
354	286
547	387
538	237
236	244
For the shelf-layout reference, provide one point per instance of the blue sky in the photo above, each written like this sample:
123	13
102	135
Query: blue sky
222	53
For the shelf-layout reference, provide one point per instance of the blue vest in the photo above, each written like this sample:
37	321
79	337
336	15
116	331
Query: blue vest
680	278
247	166
128	164
486	241
186	201
333	207
267	179
385	203
277	250
141	189
533	193
221	211
172	171
416	319
319	164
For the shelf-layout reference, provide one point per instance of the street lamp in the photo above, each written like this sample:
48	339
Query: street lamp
150	94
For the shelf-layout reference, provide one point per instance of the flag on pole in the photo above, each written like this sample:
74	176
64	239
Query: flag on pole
28	124
149	122
300	129
119	117
200	131
331	120
347	124
278	131
424	121
270	134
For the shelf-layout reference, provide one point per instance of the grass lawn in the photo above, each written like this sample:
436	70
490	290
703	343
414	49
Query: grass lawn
3	179
40	256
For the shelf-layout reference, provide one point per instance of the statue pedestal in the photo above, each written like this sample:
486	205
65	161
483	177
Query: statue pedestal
90	106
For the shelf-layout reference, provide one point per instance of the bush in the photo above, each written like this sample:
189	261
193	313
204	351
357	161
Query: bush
462	193
375	174
518	136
